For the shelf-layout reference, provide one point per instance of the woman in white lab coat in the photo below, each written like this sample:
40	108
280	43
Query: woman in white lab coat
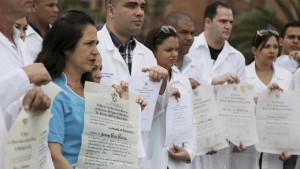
164	44
263	74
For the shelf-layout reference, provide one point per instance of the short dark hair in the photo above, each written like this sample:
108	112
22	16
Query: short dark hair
62	37
173	18
260	39
211	9
109	2
156	37
287	25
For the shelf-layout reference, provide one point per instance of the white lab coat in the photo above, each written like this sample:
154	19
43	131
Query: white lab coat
190	69
296	80
14	84
229	61
284	79
158	153
33	42
115	69
296	86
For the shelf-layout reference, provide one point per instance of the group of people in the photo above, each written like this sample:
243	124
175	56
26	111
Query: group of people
69	51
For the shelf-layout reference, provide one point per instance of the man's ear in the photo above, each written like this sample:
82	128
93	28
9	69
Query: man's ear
207	22
34	7
280	41
110	10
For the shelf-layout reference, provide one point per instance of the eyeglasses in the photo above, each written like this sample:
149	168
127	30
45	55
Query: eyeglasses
264	32
165	29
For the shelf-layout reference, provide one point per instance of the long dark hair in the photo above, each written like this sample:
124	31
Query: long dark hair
61	38
157	35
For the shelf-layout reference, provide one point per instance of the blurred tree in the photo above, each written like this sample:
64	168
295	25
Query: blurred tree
248	23
83	5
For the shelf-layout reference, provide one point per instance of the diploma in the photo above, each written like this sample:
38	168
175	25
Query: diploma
210	134
237	110
278	118
27	142
179	120
110	134
149	90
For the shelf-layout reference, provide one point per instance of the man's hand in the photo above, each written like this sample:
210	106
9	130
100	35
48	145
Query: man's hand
284	156
194	83
156	73
179	154
238	149
227	77
37	74
295	55
36	100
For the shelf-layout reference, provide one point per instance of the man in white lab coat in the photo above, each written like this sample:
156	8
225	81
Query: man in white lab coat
43	14
185	28
17	71
122	55
220	64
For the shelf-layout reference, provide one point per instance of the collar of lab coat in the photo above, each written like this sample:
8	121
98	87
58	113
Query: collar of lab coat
227	50
110	45
252	72
176	74
202	42
31	32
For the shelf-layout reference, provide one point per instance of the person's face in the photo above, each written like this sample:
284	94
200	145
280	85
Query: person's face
22	25
185	32
267	54
167	52
46	11
220	26
96	72
291	40
83	57
128	16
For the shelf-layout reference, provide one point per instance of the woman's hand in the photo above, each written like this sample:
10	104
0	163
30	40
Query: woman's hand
141	101
284	156
179	154
121	88
275	87
239	149
211	152
174	92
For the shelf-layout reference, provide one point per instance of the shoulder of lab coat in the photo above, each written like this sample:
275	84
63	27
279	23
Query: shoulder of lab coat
190	69
113	62
33	42
281	76
201	55
14	81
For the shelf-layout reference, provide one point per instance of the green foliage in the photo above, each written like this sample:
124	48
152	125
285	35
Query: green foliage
246	25
65	5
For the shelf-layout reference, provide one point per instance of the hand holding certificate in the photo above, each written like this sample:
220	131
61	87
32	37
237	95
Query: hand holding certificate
278	118
209	126
110	135
149	90
27	142
237	110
